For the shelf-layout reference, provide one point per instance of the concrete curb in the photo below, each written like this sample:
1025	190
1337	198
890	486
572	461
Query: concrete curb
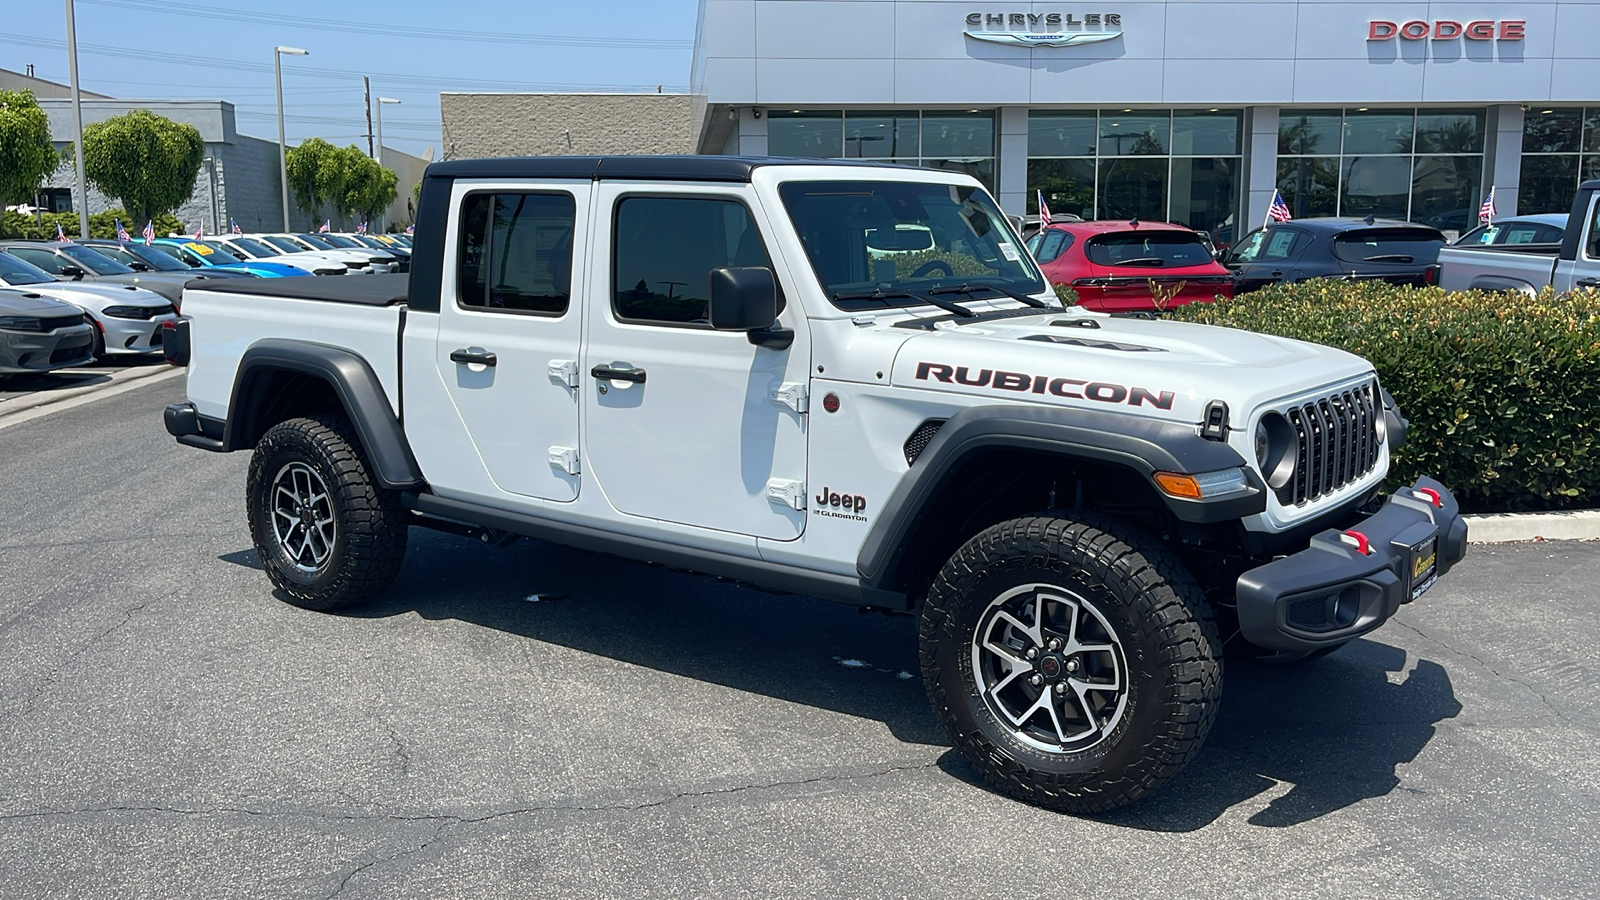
76	397
1496	528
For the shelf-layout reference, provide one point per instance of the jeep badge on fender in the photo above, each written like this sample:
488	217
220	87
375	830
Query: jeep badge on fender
1043	496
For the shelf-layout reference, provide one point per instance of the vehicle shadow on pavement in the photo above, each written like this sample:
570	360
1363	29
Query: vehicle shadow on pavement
1332	730
797	649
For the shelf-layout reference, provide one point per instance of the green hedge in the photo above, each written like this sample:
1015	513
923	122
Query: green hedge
17	226
1502	390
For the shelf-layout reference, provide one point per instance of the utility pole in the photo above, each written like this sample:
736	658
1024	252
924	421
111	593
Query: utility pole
80	194
366	87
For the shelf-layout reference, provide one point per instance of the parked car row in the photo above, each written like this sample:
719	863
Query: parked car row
67	303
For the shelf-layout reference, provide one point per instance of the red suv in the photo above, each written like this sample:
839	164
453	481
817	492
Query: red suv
1111	264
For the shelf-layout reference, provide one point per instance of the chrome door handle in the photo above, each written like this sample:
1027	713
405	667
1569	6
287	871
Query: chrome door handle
473	357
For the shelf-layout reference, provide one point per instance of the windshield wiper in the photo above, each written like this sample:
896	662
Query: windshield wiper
1152	261
1389	257
969	288
881	294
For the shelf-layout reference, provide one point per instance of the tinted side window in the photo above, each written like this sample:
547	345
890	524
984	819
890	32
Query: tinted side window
1593	249
1055	243
516	252
44	259
665	249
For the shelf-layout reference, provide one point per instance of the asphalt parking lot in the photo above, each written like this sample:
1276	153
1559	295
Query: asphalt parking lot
533	721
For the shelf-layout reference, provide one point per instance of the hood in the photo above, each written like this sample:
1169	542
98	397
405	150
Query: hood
20	302
1159	369
87	294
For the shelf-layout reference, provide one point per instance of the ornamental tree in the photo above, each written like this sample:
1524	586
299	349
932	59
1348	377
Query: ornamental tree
26	156
316	174
369	187
149	162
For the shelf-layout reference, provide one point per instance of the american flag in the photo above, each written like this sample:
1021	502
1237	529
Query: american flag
149	232
411	229
122	233
200	231
1044	211
327	226
1486	211
233	226
1279	210
61	235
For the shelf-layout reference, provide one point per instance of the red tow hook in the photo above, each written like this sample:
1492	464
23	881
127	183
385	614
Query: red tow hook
1359	540
1433	496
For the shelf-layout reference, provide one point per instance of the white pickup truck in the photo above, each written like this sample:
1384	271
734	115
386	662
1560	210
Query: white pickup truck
709	363
1572	264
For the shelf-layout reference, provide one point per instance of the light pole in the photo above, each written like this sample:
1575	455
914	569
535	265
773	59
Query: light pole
80	193
283	149
381	102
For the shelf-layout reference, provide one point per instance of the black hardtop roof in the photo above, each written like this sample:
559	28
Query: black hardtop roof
1333	224
1590	185
646	168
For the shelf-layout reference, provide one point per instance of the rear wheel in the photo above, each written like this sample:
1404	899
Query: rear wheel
1073	660
327	535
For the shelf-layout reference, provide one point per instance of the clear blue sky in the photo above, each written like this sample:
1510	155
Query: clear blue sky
413	50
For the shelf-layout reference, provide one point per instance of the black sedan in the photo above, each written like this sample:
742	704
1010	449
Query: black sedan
1357	249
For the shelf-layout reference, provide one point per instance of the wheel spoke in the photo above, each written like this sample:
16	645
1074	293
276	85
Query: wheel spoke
1033	633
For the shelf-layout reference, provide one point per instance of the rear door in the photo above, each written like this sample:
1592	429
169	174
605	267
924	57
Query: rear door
510	327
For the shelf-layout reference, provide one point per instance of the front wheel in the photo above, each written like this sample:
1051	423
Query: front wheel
327	535
1074	661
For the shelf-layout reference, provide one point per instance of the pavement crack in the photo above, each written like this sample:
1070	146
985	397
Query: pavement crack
49	677
399	748
437	831
1487	666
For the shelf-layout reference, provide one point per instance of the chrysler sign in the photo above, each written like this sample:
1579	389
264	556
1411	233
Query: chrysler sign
1043	29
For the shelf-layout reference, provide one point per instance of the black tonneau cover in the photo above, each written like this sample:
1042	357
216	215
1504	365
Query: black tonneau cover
366	290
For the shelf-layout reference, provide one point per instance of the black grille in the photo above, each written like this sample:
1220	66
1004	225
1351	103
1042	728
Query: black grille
54	322
1338	443
919	439
1308	613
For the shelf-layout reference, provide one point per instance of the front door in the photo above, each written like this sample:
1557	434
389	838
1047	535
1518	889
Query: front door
510	326
685	424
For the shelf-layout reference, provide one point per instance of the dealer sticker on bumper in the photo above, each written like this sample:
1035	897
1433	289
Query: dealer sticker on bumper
1424	566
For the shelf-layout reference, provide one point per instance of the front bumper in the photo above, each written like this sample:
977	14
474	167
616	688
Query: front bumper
1336	589
33	351
133	335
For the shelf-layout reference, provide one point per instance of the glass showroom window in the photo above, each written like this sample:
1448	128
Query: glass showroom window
961	140
1175	166
1560	148
1420	165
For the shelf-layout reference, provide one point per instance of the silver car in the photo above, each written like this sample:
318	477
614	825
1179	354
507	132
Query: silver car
38	334
127	319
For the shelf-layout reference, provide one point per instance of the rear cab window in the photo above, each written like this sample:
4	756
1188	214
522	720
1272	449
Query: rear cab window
1147	250
515	253
1393	246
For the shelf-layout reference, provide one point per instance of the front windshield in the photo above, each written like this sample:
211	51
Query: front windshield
95	261
259	248
316	242
866	237
150	256
15	272
284	244
339	241
218	254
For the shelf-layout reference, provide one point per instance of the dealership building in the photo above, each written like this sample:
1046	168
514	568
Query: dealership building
1193	112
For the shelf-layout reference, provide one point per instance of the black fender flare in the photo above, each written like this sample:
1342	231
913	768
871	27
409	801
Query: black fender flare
1145	446
355	384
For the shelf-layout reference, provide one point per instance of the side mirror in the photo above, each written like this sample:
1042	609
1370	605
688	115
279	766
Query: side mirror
139	266
745	298
72	272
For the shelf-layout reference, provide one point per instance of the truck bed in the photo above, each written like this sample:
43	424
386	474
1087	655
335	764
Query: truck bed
1524	267
365	290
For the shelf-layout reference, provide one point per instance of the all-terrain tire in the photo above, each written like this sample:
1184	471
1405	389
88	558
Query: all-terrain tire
1092	581
355	558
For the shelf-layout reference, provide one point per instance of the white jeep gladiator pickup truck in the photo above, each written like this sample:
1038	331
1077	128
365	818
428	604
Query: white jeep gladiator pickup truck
701	362
1572	264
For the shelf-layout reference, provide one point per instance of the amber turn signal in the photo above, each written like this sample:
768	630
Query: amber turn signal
1178	485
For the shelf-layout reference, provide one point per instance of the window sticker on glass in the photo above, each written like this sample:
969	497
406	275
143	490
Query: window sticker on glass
1009	252
201	249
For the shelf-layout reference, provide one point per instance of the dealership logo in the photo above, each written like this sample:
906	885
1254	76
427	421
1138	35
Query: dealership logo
1447	30
1043	29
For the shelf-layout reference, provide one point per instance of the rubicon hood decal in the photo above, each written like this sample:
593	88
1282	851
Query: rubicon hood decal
1021	382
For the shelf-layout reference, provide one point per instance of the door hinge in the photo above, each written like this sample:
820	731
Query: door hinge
565	459
565	371
794	395
787	493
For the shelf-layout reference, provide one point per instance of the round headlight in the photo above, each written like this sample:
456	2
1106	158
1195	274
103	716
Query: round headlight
1276	446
